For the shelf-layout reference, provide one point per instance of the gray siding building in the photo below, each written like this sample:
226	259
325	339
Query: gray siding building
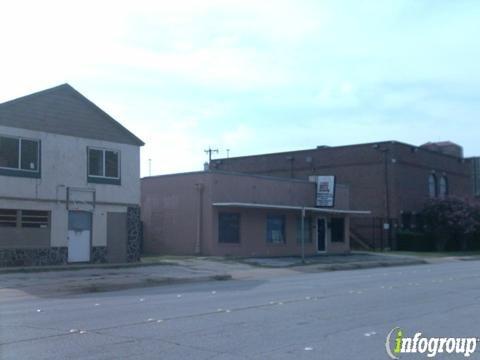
69	182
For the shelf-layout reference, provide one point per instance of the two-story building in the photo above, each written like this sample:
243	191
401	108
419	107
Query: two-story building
392	179
69	182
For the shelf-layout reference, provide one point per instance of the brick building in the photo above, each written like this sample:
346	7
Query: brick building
391	179
233	214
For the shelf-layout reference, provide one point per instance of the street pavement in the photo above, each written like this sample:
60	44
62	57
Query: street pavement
327	315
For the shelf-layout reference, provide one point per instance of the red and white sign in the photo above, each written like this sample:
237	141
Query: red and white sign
325	191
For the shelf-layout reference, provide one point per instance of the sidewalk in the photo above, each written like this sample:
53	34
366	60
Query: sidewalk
89	279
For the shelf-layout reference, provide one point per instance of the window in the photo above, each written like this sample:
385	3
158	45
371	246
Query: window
307	229
229	228
8	218
103	166
276	229
338	229
19	157
432	186
24	218
35	219
443	187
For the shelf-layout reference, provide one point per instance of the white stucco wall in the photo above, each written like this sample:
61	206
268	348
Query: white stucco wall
64	164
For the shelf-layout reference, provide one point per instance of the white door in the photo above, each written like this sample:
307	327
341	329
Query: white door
79	235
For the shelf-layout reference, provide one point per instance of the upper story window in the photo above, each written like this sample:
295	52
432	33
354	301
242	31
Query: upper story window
443	187
19	156
432	186
103	166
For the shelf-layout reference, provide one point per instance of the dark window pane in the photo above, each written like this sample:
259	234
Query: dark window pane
338	229
29	155
276	229
432	186
111	164
35	219
228	228
8	218
307	229
9	152
95	162
443	188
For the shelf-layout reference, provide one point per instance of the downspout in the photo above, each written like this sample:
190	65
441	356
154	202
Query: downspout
198	241
302	234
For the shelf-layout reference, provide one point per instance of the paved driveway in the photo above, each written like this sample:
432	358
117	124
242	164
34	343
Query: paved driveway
334	315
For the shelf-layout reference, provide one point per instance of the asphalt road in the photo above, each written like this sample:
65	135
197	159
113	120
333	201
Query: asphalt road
336	315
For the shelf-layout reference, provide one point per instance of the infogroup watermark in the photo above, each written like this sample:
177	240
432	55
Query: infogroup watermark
397	344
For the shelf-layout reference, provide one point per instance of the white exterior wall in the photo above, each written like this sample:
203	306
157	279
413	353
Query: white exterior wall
64	164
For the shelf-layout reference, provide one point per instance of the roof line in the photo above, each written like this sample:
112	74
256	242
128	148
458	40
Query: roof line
232	173
82	98
41	92
322	147
326	148
98	109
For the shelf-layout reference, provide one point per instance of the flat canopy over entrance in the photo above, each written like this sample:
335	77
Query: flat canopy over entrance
288	207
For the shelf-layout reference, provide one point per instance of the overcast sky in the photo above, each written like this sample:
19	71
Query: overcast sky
255	76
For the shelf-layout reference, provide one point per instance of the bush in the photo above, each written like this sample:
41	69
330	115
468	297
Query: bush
453	224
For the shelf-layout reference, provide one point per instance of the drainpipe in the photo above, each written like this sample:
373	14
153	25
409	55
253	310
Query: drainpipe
387	198
198	242
385	151
302	234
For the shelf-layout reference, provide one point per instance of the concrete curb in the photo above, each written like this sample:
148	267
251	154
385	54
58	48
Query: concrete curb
35	269
370	265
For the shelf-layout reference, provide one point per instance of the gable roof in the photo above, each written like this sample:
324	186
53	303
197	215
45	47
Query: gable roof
63	110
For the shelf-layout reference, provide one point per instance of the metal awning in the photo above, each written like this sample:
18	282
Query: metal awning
289	207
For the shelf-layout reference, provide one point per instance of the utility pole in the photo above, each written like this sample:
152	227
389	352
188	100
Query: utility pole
149	167
209	152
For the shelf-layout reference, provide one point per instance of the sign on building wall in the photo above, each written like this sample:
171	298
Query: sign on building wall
325	191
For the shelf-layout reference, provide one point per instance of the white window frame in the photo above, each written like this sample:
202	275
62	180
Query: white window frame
19	163
104	150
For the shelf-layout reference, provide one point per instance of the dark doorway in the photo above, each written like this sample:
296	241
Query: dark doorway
321	238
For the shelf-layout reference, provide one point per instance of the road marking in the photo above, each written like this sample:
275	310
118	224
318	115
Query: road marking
82	332
150	319
308	348
73	331
371	333
39	310
159	321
